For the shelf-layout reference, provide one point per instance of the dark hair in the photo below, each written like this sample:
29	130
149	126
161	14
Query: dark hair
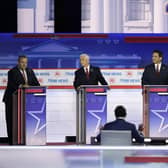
21	57
159	52
120	111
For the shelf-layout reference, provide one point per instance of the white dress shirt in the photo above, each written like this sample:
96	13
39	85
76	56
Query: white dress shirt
158	67
88	67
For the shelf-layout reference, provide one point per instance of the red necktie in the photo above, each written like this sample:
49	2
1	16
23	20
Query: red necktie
87	73
157	69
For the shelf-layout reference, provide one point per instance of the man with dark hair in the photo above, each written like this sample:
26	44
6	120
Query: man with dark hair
19	76
121	124
157	72
21	56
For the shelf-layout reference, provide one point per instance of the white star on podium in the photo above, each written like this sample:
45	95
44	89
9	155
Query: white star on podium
159	113
33	114
93	113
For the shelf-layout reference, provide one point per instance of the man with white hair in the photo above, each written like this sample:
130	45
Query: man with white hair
88	74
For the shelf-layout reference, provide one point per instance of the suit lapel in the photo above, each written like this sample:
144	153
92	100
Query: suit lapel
91	71
19	74
83	73
162	68
28	75
153	68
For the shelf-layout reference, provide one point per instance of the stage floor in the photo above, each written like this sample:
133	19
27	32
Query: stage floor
83	157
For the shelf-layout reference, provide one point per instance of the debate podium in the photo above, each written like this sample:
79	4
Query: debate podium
29	116
155	111
91	112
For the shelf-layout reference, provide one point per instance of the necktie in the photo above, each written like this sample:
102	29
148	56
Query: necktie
87	73
24	76
157	68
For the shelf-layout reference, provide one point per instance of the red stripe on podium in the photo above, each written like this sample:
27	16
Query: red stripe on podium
158	89
95	90
34	90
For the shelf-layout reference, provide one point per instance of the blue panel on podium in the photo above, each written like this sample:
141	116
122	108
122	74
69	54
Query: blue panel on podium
96	111
35	108
158	112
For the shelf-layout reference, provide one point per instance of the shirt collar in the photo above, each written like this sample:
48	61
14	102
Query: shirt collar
159	63
121	118
88	67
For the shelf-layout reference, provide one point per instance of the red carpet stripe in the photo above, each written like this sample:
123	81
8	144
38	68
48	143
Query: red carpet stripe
148	159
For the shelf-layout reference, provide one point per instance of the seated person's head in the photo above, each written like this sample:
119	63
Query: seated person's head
120	112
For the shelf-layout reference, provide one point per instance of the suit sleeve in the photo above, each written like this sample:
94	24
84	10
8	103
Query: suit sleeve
101	78
12	86
76	82
136	135
145	80
13	81
35	81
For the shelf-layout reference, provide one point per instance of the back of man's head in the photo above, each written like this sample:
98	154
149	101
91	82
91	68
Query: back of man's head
120	111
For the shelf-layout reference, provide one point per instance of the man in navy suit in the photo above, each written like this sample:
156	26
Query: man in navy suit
157	72
121	124
19	76
88	74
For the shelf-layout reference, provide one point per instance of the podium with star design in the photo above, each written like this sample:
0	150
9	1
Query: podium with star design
155	115
91	112
29	119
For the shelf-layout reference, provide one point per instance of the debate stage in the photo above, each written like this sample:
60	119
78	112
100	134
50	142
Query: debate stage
83	156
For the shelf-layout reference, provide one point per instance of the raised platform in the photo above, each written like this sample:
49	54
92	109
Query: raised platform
82	156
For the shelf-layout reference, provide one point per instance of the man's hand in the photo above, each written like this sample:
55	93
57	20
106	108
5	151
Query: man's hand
25	86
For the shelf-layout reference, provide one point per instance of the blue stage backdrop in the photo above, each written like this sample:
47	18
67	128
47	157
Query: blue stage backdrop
110	51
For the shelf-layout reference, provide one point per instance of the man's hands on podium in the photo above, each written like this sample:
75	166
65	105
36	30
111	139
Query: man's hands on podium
24	86
80	87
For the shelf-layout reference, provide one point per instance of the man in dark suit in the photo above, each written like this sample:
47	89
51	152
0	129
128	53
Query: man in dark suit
19	76
88	74
157	72
121	124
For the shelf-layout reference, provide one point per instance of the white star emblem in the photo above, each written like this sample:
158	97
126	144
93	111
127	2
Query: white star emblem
32	113
92	112
159	113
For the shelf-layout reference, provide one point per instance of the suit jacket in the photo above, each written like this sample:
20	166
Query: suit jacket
121	124
95	76
15	79
150	76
